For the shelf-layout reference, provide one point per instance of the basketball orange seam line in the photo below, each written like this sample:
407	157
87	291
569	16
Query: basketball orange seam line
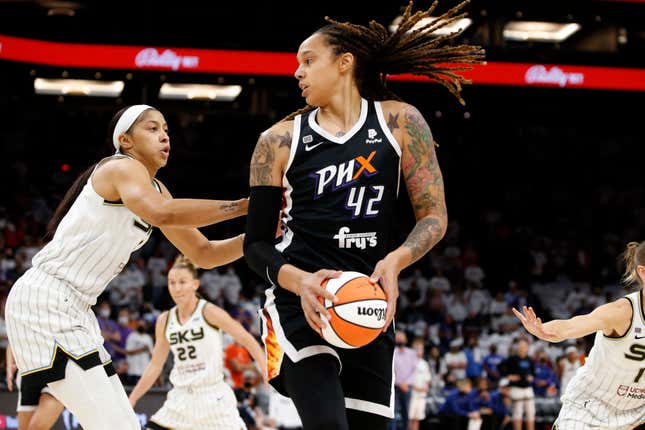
338	335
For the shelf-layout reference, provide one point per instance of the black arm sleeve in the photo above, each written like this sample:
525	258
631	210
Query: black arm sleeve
259	250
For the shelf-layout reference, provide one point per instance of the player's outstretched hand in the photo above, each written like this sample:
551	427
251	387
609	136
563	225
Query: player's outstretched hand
310	291
386	273
533	324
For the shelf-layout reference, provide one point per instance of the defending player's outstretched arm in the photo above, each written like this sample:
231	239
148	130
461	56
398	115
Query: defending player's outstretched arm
132	183
201	251
612	318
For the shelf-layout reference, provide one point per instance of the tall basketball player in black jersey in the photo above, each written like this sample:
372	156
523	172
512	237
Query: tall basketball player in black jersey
338	162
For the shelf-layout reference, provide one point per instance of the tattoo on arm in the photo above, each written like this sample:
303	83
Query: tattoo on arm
425	234
425	185
393	121
264	156
229	207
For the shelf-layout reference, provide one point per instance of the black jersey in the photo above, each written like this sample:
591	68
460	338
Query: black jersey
340	197
340	194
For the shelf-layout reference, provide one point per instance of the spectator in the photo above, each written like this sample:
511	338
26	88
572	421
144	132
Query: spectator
157	268
119	356
138	349
456	359
438	369
474	358
520	372
501	404
231	285
211	284
545	382
420	385
460	410
491	364
567	366
237	360
405	361
109	328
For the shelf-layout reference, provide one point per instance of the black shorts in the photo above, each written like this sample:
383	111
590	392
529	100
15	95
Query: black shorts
33	384
366	373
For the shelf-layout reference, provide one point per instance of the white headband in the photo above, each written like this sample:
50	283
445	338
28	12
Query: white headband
125	122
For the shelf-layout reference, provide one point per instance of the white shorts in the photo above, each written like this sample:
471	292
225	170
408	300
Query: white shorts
46	317
27	408
523	403
48	324
200	408
593	414
417	407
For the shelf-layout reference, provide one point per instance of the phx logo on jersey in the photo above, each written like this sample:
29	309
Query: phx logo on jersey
344	174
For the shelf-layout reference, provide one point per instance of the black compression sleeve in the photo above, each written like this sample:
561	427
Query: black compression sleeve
259	251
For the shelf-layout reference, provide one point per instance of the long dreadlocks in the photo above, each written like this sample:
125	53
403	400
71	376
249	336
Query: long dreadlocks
379	53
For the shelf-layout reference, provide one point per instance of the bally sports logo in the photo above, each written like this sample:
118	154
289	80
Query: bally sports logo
539	74
168	59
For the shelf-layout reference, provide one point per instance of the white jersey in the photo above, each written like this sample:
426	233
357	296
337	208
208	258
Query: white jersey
197	349
610	386
92	243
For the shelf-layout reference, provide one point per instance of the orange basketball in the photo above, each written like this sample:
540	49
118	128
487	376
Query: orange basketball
359	315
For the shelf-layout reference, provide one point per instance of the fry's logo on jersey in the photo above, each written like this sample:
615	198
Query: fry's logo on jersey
186	336
355	240
344	174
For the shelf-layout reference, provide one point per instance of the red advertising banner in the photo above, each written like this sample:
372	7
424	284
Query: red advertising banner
77	55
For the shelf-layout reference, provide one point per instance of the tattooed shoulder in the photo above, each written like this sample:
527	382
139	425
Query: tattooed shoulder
267	151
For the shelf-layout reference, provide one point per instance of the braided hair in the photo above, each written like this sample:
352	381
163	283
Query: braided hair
379	53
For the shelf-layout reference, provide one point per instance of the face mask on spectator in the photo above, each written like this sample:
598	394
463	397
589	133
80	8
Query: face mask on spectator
124	320
105	312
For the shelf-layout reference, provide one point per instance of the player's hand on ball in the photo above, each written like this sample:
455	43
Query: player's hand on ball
310	290
386	273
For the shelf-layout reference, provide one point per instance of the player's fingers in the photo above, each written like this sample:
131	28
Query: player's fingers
532	312
312	324
389	314
319	308
519	315
322	292
326	273
377	274
313	316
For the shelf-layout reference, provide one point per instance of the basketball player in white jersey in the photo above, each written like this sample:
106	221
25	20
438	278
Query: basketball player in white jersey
107	214
200	399
608	391
41	416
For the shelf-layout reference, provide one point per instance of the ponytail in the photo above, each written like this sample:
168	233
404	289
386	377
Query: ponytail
633	256
66	203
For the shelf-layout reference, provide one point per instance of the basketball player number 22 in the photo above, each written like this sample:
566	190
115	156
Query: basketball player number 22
357	195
